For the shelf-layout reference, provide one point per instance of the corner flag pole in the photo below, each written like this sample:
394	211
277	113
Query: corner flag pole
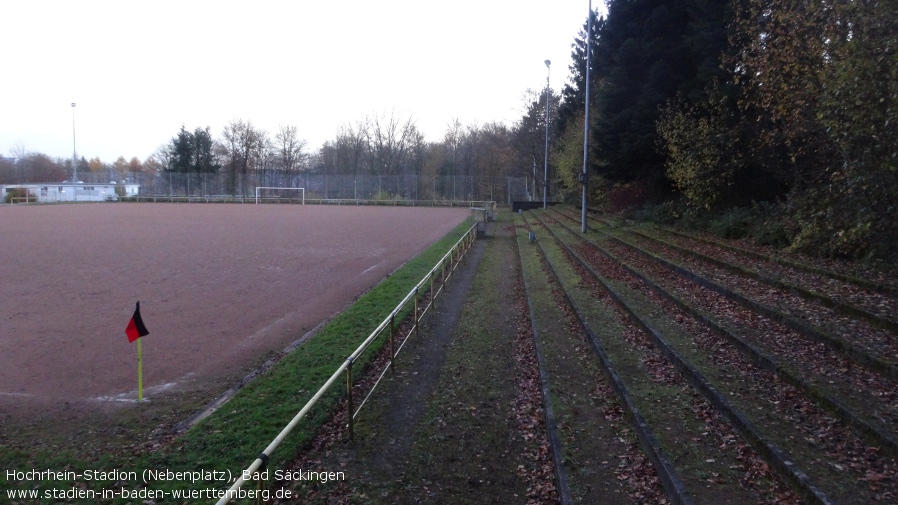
139	373
134	331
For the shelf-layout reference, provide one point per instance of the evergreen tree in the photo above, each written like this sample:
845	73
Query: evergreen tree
573	93
204	159
645	53
182	152
191	152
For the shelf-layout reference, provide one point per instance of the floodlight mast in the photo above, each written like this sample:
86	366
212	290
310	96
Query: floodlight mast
74	159
585	175
546	159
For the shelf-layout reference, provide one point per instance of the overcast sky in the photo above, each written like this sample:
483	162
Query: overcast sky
139	70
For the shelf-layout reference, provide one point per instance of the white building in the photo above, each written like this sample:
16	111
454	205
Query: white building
66	192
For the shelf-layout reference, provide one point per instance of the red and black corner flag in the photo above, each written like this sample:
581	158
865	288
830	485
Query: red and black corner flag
135	328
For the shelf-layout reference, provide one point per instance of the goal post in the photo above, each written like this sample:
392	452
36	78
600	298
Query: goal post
275	192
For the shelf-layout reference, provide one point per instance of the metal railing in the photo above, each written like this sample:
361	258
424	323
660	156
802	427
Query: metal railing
445	267
23	199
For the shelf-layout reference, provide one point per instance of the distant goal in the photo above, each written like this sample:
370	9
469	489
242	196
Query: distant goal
273	194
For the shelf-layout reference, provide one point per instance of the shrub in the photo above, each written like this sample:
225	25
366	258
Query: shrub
735	223
18	193
667	212
771	230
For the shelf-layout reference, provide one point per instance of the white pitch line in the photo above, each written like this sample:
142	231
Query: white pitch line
370	268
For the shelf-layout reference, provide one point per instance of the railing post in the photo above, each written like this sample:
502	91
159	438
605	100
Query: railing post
261	487
349	396
433	294
417	318
392	343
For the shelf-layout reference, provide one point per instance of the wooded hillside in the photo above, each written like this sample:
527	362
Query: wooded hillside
787	108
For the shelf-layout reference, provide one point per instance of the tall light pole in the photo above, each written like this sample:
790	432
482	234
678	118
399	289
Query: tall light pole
546	161
74	158
584	177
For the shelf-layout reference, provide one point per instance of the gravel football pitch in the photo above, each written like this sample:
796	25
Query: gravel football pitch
220	286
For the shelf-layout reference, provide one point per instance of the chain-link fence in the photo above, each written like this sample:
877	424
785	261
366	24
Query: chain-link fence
241	187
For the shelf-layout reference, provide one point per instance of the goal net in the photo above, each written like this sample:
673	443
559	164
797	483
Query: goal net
273	194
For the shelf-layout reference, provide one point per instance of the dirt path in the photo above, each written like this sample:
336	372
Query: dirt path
445	428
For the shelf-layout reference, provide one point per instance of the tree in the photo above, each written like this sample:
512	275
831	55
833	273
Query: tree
417	158
8	172
566	157
823	76
497	157
699	143
121	165
389	139
647	52
452	140
181	152
241	151
573	95
352	149
153	165
83	166
779	61
192	152
434	165
529	137
160	160
203	160
289	150
808	114
38	167
95	165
